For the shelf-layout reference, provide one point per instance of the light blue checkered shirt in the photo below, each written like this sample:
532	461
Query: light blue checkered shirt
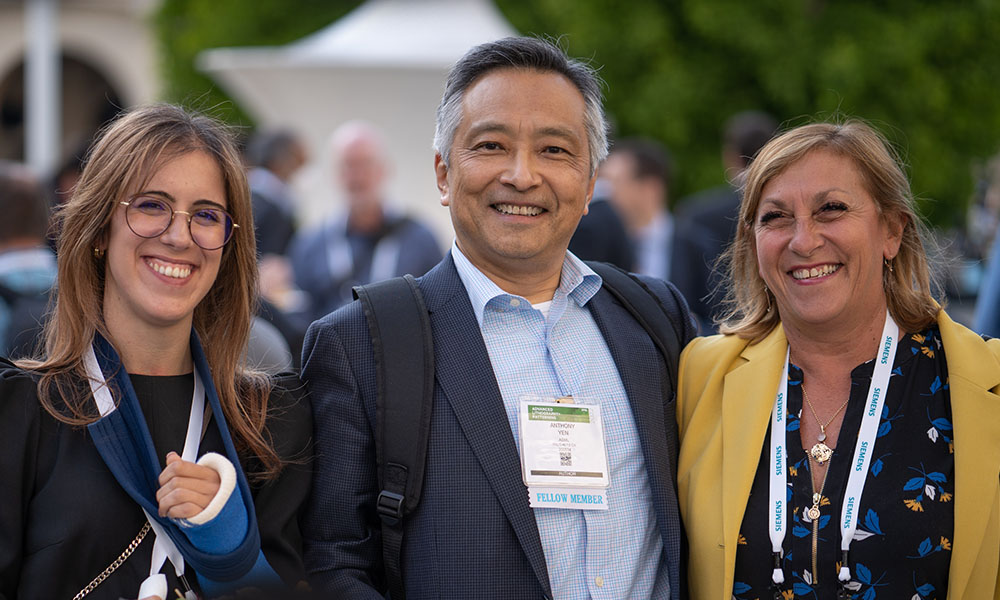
604	555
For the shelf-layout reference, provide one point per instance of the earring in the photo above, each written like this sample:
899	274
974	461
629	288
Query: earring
98	253
888	264
767	296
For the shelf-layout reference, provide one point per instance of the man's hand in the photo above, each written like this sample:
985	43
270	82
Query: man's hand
185	488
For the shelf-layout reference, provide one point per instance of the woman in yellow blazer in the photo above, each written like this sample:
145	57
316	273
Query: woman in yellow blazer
882	481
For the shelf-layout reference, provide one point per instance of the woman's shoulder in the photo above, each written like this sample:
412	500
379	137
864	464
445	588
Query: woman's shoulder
13	373
710	350
17	385
289	415
288	393
956	337
21	413
706	359
969	353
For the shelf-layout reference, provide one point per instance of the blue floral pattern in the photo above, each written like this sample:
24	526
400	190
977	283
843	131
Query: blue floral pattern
902	546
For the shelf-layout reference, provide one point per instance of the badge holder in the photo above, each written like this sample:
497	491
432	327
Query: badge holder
564	461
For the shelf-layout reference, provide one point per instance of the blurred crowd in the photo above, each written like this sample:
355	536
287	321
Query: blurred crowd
308	270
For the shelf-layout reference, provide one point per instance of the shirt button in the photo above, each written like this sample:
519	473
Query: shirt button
515	302
599	581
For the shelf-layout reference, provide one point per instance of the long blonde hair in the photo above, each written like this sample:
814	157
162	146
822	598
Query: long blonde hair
748	303
125	157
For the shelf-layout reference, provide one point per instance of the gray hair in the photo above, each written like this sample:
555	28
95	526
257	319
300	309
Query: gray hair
521	53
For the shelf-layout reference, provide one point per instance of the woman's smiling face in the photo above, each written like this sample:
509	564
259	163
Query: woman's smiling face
159	281
821	242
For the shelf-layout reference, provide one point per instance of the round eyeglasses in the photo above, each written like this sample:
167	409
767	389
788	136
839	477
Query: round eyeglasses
150	217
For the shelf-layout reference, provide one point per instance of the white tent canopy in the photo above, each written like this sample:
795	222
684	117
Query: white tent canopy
385	63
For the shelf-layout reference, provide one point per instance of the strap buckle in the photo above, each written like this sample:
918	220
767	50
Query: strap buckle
389	507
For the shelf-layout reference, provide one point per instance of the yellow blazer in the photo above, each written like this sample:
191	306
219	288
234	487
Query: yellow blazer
726	394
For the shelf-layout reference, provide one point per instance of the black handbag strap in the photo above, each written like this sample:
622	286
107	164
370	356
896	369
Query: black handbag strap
400	331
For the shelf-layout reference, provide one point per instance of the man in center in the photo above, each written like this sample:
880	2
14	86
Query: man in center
515	319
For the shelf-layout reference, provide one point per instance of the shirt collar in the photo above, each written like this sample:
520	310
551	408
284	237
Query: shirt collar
577	281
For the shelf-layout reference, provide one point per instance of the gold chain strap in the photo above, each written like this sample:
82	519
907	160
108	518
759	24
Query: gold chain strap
117	563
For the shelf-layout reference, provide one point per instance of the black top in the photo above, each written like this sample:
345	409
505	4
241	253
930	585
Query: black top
64	518
902	545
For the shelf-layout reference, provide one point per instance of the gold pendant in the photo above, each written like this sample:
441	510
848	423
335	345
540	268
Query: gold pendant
813	513
821	452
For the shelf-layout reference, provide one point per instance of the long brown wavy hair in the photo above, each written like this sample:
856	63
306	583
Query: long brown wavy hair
907	285
126	155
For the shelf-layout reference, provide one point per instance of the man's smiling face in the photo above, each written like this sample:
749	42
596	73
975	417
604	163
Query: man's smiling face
519	176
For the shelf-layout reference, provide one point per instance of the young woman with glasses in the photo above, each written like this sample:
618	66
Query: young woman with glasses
142	458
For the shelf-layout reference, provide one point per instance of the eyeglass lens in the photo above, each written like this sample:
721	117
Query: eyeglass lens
149	217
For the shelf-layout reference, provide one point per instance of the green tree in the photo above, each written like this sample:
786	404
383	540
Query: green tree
923	72
186	27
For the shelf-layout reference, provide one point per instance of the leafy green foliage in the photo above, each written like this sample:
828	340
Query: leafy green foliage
923	72
186	27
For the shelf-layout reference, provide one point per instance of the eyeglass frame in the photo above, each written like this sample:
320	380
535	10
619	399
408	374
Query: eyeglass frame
173	212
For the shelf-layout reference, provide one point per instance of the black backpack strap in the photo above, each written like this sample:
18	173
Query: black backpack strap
646	308
400	332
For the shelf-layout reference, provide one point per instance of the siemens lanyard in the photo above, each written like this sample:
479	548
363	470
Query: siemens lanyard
163	546
778	491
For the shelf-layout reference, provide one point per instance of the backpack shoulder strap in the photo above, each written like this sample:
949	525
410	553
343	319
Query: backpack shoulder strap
663	322
404	367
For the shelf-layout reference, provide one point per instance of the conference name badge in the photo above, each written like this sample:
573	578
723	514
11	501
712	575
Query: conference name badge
564	461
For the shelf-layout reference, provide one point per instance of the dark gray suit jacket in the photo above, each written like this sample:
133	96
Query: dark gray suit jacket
473	534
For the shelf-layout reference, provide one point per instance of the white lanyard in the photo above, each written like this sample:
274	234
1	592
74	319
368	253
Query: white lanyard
862	454
163	546
779	474
866	439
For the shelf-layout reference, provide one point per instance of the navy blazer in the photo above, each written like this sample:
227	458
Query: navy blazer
473	534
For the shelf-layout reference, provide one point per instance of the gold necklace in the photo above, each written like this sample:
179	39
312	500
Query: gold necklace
814	515
820	451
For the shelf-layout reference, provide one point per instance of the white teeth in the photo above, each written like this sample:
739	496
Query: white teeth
513	209
815	271
170	271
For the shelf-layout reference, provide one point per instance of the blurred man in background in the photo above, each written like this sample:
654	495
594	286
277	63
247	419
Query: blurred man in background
368	241
639	172
274	157
714	211
27	264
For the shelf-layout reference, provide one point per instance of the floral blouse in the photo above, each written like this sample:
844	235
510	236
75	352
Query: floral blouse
902	545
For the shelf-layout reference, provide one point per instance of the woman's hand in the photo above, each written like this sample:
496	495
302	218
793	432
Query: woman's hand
185	488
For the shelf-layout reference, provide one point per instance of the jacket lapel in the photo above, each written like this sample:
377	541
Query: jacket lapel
635	357
464	372
973	370
746	411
